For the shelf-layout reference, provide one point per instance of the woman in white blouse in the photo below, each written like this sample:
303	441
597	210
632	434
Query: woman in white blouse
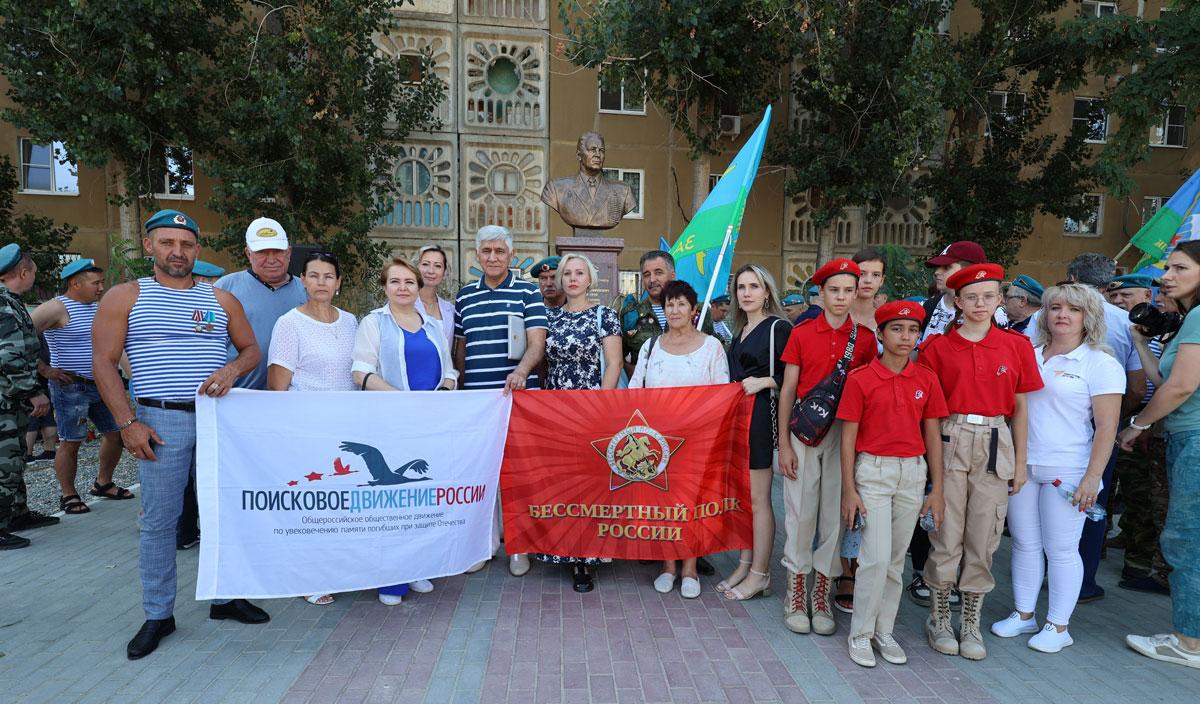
681	356
433	264
311	345
1073	423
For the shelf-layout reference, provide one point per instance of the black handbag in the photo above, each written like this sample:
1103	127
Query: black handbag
813	415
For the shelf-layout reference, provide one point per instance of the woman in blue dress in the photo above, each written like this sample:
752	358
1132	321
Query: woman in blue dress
399	348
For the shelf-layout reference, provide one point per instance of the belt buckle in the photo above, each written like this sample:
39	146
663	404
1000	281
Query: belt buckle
976	419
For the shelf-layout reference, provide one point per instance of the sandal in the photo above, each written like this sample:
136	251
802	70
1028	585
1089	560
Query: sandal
319	599
844	601
765	590
724	585
102	491
72	505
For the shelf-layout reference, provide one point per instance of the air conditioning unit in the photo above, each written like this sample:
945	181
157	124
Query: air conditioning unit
730	125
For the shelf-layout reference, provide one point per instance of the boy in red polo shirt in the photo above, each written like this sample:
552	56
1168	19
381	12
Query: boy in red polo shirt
812	496
985	372
891	411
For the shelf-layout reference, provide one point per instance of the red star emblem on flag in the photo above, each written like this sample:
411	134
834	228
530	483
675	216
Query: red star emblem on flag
313	476
293	483
637	453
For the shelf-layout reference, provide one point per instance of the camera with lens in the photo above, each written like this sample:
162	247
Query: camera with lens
1153	321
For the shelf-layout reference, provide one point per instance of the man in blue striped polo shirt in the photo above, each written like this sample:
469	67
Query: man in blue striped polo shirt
486	357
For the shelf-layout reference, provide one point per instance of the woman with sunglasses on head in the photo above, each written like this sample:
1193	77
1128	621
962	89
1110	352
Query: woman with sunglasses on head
433	264
311	345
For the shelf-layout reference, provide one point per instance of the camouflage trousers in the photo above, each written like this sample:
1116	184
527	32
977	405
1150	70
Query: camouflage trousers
1142	475
12	464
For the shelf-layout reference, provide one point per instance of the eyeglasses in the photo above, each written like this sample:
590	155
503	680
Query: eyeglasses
973	298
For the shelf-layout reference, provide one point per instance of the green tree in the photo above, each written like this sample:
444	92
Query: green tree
39	236
694	59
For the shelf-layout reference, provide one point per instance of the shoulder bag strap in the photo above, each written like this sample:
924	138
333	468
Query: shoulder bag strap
774	392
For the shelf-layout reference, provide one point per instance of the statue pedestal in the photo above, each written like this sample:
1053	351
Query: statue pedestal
603	252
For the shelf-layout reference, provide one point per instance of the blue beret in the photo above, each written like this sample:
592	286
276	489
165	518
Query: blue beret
547	264
915	299
10	254
813	290
1030	284
172	218
793	299
723	298
78	267
202	268
1131	281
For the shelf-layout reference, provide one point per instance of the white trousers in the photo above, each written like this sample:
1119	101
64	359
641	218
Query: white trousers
1043	523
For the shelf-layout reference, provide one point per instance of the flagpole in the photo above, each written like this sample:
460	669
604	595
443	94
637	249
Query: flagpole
712	282
1123	251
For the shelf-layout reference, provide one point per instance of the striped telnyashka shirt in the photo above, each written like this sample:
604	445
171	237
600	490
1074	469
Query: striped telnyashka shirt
71	345
481	318
175	340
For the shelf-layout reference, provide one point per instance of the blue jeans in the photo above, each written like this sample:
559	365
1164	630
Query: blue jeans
74	404
163	483
1180	538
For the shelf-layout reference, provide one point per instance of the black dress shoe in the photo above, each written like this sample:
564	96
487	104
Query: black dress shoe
8	541
583	582
705	567
1146	584
30	520
239	610
148	636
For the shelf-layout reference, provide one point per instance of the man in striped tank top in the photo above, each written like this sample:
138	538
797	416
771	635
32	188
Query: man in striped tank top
66	321
174	331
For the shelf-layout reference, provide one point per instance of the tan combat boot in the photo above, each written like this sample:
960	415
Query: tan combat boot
938	629
795	604
972	638
822	607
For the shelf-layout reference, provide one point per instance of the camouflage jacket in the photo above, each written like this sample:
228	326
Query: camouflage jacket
639	324
19	347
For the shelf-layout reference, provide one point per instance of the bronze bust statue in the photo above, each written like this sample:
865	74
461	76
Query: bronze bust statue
587	200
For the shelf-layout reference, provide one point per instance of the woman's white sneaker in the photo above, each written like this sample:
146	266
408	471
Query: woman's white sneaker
1050	640
390	599
1014	626
421	586
1165	647
664	583
689	588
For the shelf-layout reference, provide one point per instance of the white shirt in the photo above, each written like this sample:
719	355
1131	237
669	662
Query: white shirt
1117	335
707	364
1060	414
317	354
446	310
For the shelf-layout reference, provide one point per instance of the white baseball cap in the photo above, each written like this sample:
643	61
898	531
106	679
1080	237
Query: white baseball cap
265	233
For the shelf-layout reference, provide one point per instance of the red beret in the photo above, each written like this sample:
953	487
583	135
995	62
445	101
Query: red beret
974	274
835	267
899	310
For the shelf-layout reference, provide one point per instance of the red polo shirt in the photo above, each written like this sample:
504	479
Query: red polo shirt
815	347
982	377
889	408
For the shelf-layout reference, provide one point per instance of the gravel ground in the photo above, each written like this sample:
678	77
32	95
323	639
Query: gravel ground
43	487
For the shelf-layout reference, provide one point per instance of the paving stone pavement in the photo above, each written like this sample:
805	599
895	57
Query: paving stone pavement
72	600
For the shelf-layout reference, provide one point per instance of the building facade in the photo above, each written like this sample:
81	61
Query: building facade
511	116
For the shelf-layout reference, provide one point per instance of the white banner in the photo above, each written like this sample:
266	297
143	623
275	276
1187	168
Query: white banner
313	493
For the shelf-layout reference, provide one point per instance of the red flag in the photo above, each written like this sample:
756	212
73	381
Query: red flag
631	474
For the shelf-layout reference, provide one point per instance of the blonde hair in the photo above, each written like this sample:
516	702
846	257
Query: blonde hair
771	306
403	264
1085	298
593	273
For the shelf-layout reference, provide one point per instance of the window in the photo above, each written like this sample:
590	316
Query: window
1165	45
1090	225
631	283
413	178
45	169
1003	106
1150	206
616	100
713	180
177	177
632	177
506	180
1098	9
1171	131
1091	112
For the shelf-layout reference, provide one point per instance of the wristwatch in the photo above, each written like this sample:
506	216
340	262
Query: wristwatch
1135	426
127	423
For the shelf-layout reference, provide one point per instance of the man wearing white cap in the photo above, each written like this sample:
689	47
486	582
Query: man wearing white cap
266	291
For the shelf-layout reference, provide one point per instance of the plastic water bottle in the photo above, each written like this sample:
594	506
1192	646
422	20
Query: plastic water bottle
1067	491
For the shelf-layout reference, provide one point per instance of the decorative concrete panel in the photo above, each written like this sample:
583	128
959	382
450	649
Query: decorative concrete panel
413	39
440	9
502	183
426	177
503	82
504	13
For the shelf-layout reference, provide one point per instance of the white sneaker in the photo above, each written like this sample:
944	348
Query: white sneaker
477	566
889	648
421	586
689	588
860	650
518	565
664	583
1014	626
1049	640
1165	647
390	599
